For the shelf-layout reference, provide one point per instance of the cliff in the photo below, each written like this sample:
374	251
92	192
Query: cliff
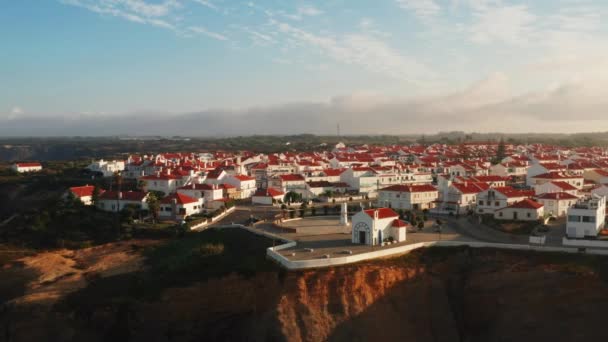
430	295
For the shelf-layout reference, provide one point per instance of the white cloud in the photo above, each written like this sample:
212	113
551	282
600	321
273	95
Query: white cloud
363	50
504	24
207	4
160	14
14	113
421	8
309	10
300	13
210	34
145	9
136	11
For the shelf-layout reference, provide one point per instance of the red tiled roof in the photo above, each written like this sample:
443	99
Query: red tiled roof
32	164
410	188
382	213
179	198
557	196
83	191
470	187
512	192
399	224
270	192
243	178
601	172
564	186
555	175
333	172
526	203
291	177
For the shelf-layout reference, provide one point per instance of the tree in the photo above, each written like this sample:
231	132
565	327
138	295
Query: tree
71	201
95	196
127	214
142	184
500	152
291	197
153	206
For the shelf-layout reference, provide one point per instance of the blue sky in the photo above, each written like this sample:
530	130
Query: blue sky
541	61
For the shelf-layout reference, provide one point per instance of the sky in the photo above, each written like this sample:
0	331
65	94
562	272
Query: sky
230	67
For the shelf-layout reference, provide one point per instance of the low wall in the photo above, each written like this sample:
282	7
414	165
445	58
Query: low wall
213	219
584	243
395	251
539	240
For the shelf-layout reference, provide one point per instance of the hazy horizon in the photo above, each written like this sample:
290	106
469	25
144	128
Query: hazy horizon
225	68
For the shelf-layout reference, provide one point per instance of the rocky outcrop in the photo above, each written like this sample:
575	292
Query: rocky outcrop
450	295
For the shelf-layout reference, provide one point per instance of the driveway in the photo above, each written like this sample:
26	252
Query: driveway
470	227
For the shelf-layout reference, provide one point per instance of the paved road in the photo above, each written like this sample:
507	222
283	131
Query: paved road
242	214
468	226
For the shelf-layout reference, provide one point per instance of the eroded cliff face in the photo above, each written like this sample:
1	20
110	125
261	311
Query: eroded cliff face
464	295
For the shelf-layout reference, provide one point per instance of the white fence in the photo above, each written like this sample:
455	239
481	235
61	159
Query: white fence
207	222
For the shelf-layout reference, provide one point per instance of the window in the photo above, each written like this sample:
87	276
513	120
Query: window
529	215
480	202
496	204
488	203
589	219
574	218
500	213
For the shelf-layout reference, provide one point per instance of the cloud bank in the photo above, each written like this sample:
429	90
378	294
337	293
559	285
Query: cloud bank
486	106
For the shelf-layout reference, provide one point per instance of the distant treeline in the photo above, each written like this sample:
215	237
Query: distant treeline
73	148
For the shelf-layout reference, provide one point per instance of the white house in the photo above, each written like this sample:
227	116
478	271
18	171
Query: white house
362	179
598	176
84	193
207	192
179	206
117	201
460	197
539	169
510	169
267	196
556	203
524	210
216	176
107	168
586	218
600	190
373	226
245	185
492	199
574	180
287	183
410	197
555	186
26	167
166	183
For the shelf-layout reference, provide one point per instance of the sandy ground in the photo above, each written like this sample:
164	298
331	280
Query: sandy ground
57	273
